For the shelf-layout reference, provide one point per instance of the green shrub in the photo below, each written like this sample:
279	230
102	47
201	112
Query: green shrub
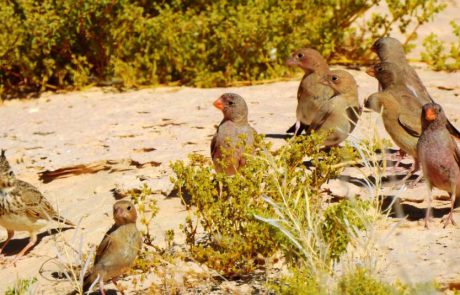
435	54
223	231
21	287
337	221
58	44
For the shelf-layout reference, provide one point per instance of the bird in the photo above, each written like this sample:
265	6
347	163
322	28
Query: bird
339	115
311	93
400	110
439	157
234	135
391	50
118	249
23	207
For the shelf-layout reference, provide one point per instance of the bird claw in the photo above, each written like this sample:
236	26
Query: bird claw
447	219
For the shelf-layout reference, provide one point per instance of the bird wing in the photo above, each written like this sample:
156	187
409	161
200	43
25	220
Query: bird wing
105	244
34	204
353	113
410	125
456	152
213	145
319	120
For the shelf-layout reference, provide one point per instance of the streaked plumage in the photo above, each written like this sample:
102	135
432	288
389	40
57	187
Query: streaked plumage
23	207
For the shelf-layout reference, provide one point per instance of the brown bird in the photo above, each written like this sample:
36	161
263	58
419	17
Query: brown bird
400	110
439	156
311	93
341	112
119	248
23	207
391	50
234	134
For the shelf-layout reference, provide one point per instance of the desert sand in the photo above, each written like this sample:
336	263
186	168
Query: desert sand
164	124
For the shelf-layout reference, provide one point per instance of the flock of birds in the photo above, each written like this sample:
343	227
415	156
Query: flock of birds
327	101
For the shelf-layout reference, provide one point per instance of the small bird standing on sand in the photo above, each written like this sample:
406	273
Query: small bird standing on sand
400	110
119	248
341	112
23	207
311	93
234	134
391	50
439	156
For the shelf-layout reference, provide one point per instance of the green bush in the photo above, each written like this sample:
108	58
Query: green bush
437	57
224	232
52	44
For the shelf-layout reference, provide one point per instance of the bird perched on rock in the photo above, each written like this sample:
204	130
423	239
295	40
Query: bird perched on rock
341	112
439	156
311	93
391	50
118	249
23	207
400	110
234	134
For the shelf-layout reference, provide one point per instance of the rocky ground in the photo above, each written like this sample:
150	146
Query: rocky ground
133	136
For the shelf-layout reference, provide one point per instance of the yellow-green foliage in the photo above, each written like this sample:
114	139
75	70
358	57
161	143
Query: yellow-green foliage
21	287
147	209
52	44
224	208
337	221
435	54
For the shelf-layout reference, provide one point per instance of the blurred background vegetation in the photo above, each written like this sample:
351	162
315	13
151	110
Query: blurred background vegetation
50	45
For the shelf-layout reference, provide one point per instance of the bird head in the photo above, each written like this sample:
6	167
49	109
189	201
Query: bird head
432	112
7	177
124	212
307	59
388	49
233	107
340	81
386	73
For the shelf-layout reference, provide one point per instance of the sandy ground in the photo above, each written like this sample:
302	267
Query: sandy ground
166	124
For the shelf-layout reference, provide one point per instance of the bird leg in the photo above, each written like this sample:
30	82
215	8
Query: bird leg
101	286
120	288
399	157
428	209
8	239
415	167
452	202
32	241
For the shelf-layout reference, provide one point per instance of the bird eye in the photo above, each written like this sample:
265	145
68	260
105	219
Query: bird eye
11	173
129	208
335	78
231	103
299	55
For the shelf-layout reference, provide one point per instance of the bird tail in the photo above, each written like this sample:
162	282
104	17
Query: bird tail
61	219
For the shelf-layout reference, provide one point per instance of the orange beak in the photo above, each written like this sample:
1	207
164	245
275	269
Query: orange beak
324	80
430	115
219	104
370	71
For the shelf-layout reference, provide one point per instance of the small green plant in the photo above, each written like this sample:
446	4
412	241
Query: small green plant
147	209
338	220
435	54
362	283
223	231
22	287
